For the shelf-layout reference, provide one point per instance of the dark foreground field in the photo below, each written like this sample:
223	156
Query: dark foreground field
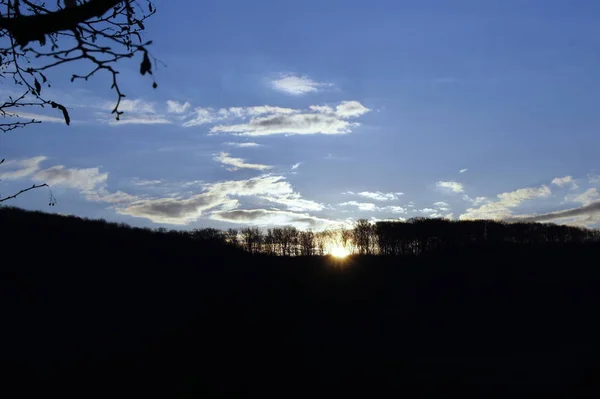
121	313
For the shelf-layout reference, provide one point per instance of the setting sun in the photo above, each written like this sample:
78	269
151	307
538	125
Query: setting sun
339	252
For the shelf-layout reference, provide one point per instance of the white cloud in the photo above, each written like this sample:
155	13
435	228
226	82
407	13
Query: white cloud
441	204
18	169
296	85
238	163
294	202
90	182
593	179
243	145
135	112
131	119
203	116
378	195
589	196
395	209
502	208
565	181
451	185
103	195
275	121
296	165
175	107
80	179
273	217
38	117
351	109
289	124
427	210
363	206
586	215
138	106
463	170
219	196
142	182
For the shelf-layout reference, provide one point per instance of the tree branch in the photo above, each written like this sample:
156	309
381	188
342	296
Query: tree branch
28	28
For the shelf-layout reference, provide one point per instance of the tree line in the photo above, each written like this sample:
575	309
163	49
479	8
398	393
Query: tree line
397	238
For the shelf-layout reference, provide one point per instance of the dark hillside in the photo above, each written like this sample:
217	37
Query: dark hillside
97	307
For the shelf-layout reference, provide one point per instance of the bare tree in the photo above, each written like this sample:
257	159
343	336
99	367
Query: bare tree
37	36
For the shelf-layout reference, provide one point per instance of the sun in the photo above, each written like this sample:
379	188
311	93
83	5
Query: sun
339	252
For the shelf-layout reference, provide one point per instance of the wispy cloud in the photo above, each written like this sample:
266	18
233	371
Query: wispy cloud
313	121
363	206
18	169
135	112
297	85
238	163
81	179
463	170
506	202
379	196
585	215
219	196
175	107
38	117
90	182
271	217
451	185
296	166
242	144
565	181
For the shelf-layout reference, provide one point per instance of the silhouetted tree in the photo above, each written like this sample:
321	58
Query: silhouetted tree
96	33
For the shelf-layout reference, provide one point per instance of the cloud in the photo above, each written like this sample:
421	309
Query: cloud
296	85
18	169
179	211
271	217
38	117
350	109
395	209
135	112
295	202
502	208
451	185
80	179
243	145
103	195
589	196
219	196
90	182
175	107
463	170
363	206
584	215
565	181
378	195
427	210
276	121
203	116
296	165
130	119
141	182
137	106
238	163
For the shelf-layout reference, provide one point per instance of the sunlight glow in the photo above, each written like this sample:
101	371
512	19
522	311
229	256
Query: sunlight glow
339	252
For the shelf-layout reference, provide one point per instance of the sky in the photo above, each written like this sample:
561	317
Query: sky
317	113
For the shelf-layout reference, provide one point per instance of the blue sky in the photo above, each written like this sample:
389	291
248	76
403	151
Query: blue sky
318	113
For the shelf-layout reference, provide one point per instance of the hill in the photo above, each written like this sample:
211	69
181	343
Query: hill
95	307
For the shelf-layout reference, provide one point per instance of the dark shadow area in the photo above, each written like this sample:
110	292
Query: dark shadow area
94	307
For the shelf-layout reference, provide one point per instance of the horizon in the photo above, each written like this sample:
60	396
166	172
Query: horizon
385	111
